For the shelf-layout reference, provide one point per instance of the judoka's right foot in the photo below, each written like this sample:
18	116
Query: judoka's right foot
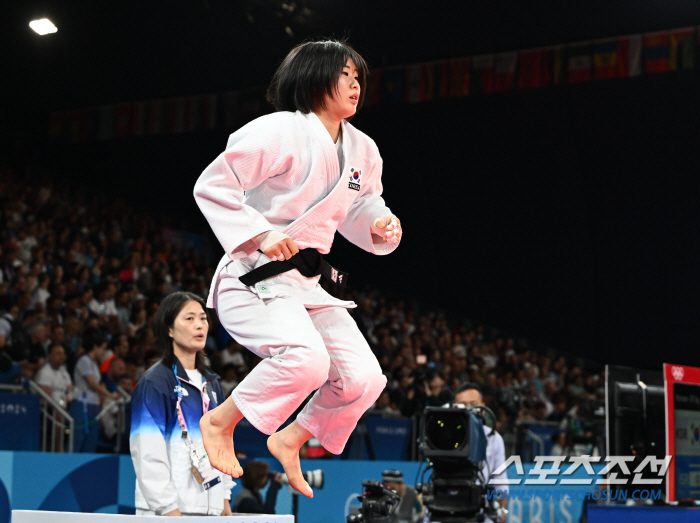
284	445
217	436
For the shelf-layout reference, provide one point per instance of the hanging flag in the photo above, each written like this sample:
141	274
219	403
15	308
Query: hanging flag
656	47
83	130
374	87
606	61
634	55
531	68
209	111
482	74
579	62
126	124
458	71
431	80
191	114
231	112
154	117
393	85
107	119
175	115
444	83
616	57
504	71
56	126
553	63
139	116
414	87
681	49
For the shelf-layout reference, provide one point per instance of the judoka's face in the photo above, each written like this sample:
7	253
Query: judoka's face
189	330
347	95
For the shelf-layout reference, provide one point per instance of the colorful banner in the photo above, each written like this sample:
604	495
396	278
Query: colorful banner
656	51
608	58
532	68
681	52
579	63
504	71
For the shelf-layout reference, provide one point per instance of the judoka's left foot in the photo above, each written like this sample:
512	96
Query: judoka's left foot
285	445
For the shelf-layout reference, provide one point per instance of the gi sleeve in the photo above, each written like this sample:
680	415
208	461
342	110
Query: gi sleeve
369	205
149	421
254	153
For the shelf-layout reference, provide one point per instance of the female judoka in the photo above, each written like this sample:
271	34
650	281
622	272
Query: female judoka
288	181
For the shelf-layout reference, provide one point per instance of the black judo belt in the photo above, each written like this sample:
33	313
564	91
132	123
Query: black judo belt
308	262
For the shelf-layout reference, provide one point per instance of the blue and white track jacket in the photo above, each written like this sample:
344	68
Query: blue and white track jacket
161	457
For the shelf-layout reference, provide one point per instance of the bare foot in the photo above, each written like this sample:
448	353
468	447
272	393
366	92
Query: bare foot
285	447
217	436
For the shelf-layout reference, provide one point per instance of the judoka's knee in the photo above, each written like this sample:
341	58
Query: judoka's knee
367	384
316	364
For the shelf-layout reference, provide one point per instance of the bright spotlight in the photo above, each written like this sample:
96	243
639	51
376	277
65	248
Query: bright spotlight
43	26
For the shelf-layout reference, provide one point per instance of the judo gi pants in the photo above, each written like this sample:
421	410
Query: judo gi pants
302	350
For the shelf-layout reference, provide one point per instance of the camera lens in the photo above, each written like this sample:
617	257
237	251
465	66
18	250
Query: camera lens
447	430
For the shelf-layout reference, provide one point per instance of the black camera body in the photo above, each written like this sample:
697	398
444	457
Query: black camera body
454	442
378	504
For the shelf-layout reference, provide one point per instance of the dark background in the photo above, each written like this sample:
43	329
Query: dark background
567	214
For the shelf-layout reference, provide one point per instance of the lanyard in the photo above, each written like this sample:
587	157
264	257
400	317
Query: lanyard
180	416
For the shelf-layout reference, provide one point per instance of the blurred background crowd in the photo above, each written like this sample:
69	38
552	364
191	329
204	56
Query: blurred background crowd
81	275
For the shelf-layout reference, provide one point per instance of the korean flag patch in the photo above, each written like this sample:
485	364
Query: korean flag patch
355	179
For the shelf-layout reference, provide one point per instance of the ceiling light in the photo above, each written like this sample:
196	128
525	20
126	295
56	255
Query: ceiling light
43	26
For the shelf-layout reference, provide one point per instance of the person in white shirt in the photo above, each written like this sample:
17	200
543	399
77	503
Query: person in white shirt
90	391
53	377
469	395
103	305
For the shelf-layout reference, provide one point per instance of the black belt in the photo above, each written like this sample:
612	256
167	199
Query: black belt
308	262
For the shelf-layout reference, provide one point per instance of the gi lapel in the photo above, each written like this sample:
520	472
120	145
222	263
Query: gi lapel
320	212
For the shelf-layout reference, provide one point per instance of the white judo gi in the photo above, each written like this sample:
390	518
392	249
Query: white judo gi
281	172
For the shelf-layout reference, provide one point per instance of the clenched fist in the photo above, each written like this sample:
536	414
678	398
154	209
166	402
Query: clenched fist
388	227
276	245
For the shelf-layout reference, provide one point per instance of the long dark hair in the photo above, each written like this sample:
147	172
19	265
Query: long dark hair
167	311
310	71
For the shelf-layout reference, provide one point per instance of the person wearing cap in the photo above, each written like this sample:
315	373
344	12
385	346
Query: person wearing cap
469	395
410	509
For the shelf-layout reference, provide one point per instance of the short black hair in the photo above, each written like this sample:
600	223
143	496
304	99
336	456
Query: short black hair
92	337
310	71
469	386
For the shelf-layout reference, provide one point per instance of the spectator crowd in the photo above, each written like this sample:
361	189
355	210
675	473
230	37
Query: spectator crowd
81	276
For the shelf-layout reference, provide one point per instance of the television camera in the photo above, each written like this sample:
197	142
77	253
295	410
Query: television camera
453	442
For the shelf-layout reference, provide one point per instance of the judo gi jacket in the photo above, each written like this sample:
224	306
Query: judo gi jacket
281	172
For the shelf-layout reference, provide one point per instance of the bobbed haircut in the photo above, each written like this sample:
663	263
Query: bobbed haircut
167	311
309	72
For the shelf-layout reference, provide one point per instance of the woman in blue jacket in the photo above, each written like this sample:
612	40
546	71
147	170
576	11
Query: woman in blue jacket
173	473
